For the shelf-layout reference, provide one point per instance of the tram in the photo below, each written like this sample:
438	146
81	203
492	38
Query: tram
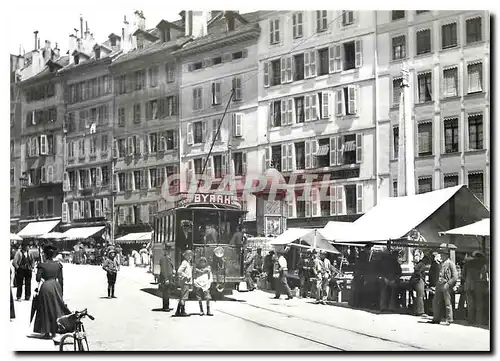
206	224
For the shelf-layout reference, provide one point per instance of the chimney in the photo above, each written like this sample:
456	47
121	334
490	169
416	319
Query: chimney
140	20
57	52
71	47
196	23
38	44
47	52
81	26
126	45
36	39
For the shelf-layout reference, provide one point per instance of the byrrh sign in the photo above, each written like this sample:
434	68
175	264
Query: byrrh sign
212	198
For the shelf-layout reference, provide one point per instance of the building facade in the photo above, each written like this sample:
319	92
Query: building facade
220	59
146	137
447	53
42	111
88	132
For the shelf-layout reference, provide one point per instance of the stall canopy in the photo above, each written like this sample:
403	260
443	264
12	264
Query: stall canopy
81	232
337	230
15	237
481	228
395	217
37	229
52	235
306	235
135	238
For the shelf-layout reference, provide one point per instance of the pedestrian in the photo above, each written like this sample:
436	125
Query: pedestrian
318	271
268	268
325	282
144	256
50	305
185	274
282	284
111	266
23	265
446	281
391	273
417	284
361	265
433	277
166	279
474	288
303	273
202	281
249	268
12	308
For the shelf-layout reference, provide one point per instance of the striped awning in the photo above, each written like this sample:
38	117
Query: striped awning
81	232
350	146
323	150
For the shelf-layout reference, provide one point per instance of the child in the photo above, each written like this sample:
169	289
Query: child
111	266
185	273
202	282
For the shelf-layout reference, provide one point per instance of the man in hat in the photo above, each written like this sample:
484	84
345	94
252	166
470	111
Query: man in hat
475	287
282	285
318	273
23	266
185	273
268	267
248	267
447	279
327	265
111	266
166	278
304	268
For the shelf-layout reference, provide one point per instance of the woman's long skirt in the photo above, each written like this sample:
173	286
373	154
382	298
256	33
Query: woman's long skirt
12	309
50	307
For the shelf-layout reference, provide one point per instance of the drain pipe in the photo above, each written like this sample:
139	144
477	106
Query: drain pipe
376	110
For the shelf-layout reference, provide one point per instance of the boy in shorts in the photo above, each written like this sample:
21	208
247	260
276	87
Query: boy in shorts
185	279
202	281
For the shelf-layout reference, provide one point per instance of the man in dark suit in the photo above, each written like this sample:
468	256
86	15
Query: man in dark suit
166	278
23	264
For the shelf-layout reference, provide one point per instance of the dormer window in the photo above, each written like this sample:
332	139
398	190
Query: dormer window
165	35
113	41
230	22
98	53
76	58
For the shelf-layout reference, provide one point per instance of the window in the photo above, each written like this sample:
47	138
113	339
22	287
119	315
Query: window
450	180
350	199
276	157
276	114
349	55
476	185
121	117
137	113
451	135
121	181
152	178
217	60
421	11
216	94
12	177
153	144
239	163
398	14
122	146
322	155
424	87
169	70
423	41
237	55
449	36
395	138
424	139
93	144
300	156
104	143
321	20
152	109
474	31
424	185
237	89
198	132
171	138
171	105
346	101
475	131
122	84
198	165
323	61
31	208
153	76
274	31
218	166
450	78
40	207
197	99
399	47
394	188
396	90
276	72
197	66
298	71
298	25
299	110
137	179
349	149
475	78
105	175
140	80
347	17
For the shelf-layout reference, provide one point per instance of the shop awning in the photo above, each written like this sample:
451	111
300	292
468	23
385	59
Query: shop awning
323	150
306	235
290	235
481	228
135	238
337	230
36	229
15	237
395	217
81	232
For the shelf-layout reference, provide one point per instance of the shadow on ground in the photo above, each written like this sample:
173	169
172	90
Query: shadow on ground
175	295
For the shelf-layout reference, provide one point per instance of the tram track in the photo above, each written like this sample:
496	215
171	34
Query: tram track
396	343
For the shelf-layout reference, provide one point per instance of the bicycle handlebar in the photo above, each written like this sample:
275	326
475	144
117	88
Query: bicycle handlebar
82	314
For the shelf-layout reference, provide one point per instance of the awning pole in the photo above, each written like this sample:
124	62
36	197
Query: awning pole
315	231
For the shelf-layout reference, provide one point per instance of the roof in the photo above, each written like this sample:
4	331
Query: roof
480	228
91	61
62	62
151	49
395	217
36	229
146	34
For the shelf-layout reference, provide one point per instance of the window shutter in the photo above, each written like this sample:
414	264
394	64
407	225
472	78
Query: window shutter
359	54
244	161
98	176
290	112
43	174
82	209
267	158
266	74
121	215
351	107
78	180
307	65
105	207
50	174
283	70
43	144
359	147
291	156
64	212
325	111
337	64
130	146
176	139
271	31
28	147
307	108
283	112
289	67
333	201
76	210
314	150
238	124
340	150
315	202
204	127
35	144
359	198
224	164
308	156
116	150
116	183
210	167
97	208
271	115
339	102
314	106
333	151
66	184
137	145
190	139
340	199
331	59
313	63
284	157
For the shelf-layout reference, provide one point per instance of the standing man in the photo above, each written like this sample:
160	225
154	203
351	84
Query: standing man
111	266
282	284
474	287
417	284
447	278
249	267
166	279
23	265
268	267
304	267
325	286
318	271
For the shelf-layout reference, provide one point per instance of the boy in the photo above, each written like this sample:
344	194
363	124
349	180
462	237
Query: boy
185	273
202	282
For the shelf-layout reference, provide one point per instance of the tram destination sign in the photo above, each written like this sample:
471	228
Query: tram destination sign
212	198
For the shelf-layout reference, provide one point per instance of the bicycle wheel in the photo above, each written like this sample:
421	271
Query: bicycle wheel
67	343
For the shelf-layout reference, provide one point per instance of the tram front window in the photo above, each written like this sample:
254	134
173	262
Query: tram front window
213	227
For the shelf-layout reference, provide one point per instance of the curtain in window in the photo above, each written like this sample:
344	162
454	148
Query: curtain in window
425	138
450	82
476	185
475	72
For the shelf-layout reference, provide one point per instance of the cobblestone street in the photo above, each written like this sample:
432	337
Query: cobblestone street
256	322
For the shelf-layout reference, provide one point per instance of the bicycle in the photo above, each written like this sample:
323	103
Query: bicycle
74	331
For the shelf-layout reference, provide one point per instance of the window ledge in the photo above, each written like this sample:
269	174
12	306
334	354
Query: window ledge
422	157
475	94
454	47
450	98
396	61
322	76
423	55
425	103
474	43
475	151
450	154
349	71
